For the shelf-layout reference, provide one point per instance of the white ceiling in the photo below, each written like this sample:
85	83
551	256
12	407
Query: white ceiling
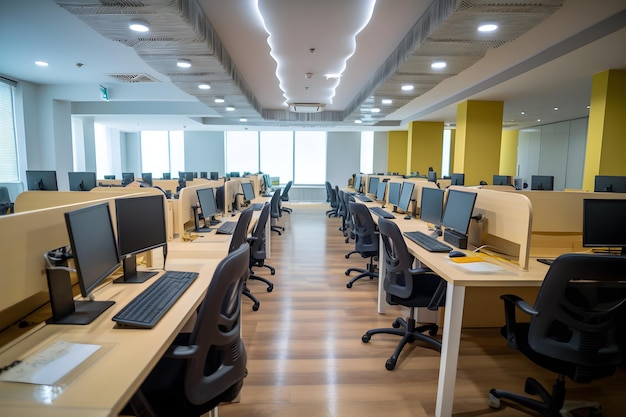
548	66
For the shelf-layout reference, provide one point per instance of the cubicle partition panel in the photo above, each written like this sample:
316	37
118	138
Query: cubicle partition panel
231	189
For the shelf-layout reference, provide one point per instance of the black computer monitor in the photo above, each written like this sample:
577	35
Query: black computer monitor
146	177
109	177
431	208
140	227
235	174
502	180
204	174
208	206
393	194
167	176
542	182
220	199
82	181
457	179
41	180
432	176
95	255
405	196
604	224
372	185
214	175
357	183
610	183
248	191
458	211
187	175
127	177
380	191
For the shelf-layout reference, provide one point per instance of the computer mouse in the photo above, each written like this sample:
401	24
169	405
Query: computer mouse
407	217
456	254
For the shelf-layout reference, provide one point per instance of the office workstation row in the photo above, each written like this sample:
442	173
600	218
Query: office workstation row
499	225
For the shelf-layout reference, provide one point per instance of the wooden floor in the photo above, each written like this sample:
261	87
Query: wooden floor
306	358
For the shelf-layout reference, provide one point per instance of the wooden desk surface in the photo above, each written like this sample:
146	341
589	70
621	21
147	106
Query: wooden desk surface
103	384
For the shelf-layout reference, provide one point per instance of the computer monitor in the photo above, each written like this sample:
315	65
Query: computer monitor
457	179
235	174
41	180
109	177
393	194
248	191
610	183
432	176
380	191
208	206
372	185
431	208
204	174
82	181
458	211
220	199
187	175
147	178
542	182
357	183
214	175
167	176
405	196
127	177
95	255
140	227
502	180
604	223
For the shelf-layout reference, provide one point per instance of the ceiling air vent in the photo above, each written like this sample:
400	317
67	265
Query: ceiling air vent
134	78
306	107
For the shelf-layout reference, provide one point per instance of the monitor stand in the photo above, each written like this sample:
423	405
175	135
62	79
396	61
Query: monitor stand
131	275
64	309
196	222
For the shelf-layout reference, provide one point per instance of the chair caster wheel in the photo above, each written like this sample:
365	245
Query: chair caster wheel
365	338
270	288
255	307
347	273
347	256
433	332
273	272
395	324
493	401
390	364
349	285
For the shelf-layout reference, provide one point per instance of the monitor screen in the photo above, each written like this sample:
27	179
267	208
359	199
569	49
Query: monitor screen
147	178
109	177
502	180
248	191
458	211
405	196
457	179
357	183
431	208
393	195
207	200
82	181
610	183
220	199
167	176
380	191
372	185
235	174
542	182
127	177
432	176
214	175
604	223
204	174
187	175
41	180
93	245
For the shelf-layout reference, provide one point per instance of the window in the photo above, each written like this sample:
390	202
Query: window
242	151
309	157
162	151
276	154
8	147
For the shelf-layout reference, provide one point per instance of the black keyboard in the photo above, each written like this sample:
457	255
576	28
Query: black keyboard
545	261
428	242
147	308
256	206
364	198
380	212
226	228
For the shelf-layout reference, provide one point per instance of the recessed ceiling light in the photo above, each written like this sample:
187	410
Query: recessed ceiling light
139	26
488	27
386	101
204	86
183	63
230	108
243	119
375	110
588	106
41	63
408	87
522	112
438	65
538	120
332	76
358	121
556	108
219	100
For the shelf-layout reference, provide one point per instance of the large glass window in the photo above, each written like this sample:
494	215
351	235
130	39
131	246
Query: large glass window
276	154
242	151
309	157
162	151
8	147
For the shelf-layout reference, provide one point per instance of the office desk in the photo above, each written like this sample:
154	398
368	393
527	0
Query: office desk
105	382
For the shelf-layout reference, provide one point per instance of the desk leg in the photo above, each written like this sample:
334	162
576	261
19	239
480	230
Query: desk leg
382	301
453	319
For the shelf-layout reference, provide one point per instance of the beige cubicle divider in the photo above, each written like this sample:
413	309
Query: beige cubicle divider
232	187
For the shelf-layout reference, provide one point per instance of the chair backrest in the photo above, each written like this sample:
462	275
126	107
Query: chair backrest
328	190
366	240
257	244
581	310
240	234
285	194
342	209
217	358
399	269
275	205
5	200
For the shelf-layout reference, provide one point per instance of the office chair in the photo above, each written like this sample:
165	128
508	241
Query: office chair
284	196
275	212
573	330
342	209
409	287
257	248
349	222
332	199
207	366
238	238
6	206
365	243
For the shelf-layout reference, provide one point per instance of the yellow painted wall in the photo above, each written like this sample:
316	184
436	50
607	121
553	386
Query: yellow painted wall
397	142
508	152
425	147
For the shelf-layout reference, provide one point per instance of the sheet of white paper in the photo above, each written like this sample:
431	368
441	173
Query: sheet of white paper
480	267
47	366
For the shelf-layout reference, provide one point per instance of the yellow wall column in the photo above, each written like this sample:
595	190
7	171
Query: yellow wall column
606	147
508	153
477	142
425	147
397	151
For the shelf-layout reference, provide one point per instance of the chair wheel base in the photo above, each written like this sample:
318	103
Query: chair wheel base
270	288
365	338
349	284
390	364
255	307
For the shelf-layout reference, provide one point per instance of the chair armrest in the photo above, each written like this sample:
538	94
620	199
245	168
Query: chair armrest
181	352
251	239
510	302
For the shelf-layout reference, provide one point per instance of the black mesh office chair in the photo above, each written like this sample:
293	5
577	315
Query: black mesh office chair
275	212
284	196
6	206
409	287
342	209
573	331
349	221
365	242
258	253
238	238
332	199
207	366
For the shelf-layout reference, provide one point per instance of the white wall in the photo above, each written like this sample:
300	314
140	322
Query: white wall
204	151
343	156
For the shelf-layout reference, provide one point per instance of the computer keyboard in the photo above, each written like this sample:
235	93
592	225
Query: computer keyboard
364	198
147	308
428	242
256	206
380	212
226	228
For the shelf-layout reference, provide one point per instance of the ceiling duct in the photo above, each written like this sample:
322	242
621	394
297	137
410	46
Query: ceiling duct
306	107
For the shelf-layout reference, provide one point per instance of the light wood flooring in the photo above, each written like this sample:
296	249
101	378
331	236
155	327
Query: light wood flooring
306	358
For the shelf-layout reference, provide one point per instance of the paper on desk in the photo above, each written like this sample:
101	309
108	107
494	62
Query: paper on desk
480	267
49	365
